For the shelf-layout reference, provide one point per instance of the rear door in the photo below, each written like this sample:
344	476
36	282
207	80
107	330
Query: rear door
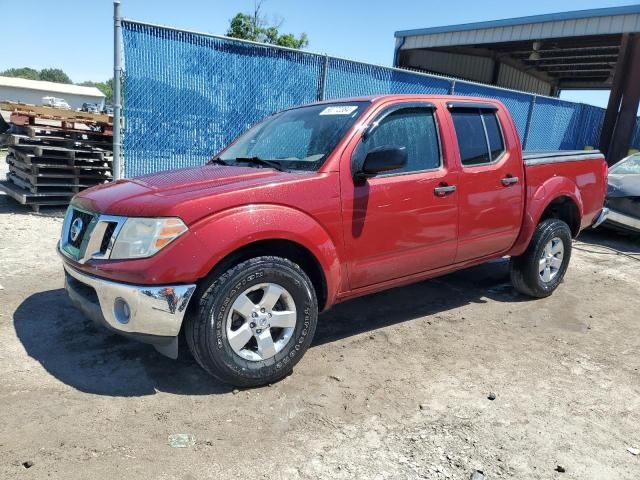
491	183
401	222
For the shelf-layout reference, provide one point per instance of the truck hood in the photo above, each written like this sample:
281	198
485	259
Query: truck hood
173	193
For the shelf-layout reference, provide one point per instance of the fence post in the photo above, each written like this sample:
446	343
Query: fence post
528	125
323	78
452	87
117	100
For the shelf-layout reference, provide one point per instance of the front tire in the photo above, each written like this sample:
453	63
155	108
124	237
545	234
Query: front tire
254	322
541	268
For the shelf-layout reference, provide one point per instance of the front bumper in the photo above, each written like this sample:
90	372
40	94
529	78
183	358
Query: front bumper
153	314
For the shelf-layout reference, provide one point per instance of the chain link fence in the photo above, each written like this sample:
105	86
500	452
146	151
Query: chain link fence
186	95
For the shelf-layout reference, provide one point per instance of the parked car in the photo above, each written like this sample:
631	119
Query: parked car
107	110
56	102
90	107
316	205
623	195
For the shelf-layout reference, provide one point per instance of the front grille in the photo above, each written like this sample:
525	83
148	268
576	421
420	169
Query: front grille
108	233
86	220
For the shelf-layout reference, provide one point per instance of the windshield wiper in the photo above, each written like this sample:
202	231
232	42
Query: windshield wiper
261	161
218	160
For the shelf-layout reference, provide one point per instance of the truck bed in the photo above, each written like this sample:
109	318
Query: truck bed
537	157
580	169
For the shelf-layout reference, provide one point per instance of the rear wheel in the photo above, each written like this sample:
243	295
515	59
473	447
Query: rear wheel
541	268
254	322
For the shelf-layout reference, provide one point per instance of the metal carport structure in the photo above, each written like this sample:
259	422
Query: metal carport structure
543	54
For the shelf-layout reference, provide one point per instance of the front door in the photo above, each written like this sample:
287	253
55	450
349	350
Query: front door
401	222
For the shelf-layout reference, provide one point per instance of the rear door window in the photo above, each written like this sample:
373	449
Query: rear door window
494	134
479	136
472	140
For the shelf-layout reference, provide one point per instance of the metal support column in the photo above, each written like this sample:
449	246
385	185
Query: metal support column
615	97
626	121
117	99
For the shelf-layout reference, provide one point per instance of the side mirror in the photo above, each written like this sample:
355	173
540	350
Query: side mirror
383	159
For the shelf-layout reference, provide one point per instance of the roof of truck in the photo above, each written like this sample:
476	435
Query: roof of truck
407	96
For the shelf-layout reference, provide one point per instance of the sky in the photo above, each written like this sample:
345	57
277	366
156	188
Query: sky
77	35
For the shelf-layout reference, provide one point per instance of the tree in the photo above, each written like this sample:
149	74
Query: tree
46	74
24	72
54	75
105	87
257	28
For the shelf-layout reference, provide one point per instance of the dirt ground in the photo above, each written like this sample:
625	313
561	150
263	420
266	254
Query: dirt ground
396	385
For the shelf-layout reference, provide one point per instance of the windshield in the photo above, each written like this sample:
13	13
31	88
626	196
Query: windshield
628	166
297	139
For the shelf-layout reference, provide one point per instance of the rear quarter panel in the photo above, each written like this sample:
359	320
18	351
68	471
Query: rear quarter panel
582	181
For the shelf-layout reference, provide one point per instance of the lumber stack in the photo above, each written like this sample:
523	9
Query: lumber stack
52	159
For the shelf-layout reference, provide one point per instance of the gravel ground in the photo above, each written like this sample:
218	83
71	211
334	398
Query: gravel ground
396	385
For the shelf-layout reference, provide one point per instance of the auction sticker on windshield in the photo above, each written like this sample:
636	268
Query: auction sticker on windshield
339	110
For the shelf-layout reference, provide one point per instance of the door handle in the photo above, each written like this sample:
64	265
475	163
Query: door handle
443	190
509	180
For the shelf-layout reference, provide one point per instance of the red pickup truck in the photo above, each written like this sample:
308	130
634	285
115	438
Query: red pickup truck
316	205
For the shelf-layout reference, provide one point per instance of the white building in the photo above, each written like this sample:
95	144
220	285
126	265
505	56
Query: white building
31	91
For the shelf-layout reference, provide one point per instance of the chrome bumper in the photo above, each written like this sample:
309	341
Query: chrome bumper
604	213
154	313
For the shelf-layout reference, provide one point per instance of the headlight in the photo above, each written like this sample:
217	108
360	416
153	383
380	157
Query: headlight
142	237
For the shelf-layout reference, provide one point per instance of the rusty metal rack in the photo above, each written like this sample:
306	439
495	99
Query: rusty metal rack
25	114
54	154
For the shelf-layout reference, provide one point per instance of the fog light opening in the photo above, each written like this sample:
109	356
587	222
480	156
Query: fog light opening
121	310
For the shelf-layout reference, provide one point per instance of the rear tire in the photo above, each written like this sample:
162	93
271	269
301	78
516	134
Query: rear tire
232	333
541	268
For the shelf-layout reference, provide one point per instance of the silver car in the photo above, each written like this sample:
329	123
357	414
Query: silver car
623	195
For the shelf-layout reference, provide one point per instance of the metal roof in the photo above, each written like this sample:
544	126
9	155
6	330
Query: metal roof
553	25
50	87
540	53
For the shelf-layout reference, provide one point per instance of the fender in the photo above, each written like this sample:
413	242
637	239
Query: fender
229	230
536	203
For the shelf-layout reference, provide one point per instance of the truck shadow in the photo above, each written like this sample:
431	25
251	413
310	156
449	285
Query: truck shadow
622	242
472	285
93	360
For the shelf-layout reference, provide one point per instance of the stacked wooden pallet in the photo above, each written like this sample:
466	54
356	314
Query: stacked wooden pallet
49	163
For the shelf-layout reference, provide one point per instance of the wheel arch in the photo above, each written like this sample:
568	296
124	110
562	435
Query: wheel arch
235	236
566	209
558	197
283	248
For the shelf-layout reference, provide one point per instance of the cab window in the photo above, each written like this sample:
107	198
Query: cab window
479	136
413	128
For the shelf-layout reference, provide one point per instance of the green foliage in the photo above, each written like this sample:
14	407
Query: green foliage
54	75
46	74
256	28
104	87
242	26
24	72
288	40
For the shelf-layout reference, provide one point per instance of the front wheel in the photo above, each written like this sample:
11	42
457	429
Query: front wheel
254	322
541	268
